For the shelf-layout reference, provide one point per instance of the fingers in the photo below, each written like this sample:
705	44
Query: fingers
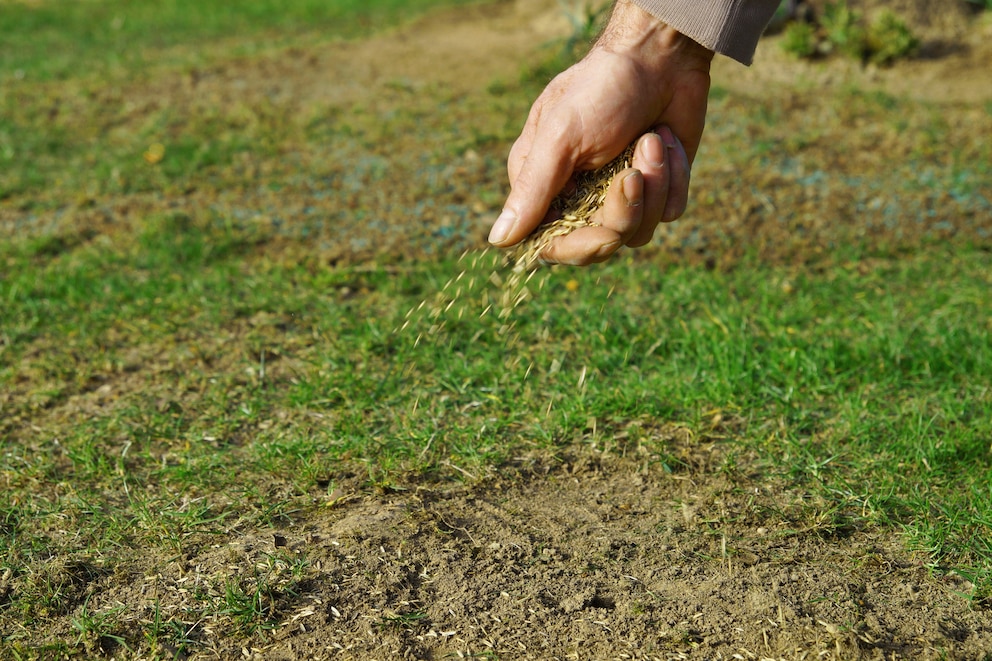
618	220
584	246
651	159
667	190
678	185
655	190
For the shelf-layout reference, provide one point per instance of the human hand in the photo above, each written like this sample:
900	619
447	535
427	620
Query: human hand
640	77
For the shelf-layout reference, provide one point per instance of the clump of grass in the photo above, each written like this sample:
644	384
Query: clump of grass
843	29
587	20
840	29
801	40
889	39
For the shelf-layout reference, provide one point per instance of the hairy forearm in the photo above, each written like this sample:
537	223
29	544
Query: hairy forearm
730	27
654	43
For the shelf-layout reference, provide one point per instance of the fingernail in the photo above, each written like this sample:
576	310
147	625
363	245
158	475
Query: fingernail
502	226
607	249
652	150
667	137
680	150
633	189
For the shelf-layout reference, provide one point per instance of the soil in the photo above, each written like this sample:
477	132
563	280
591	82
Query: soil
607	557
592	554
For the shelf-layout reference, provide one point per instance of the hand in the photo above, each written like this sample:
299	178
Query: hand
642	78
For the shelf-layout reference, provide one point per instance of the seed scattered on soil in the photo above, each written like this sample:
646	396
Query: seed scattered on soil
511	273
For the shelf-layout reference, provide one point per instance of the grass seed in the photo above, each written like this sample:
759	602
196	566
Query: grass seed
511	272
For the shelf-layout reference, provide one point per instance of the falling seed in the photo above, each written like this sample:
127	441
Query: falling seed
577	208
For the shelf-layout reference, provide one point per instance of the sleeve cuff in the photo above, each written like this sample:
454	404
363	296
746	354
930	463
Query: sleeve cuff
729	27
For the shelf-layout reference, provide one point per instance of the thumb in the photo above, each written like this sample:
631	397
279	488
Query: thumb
542	175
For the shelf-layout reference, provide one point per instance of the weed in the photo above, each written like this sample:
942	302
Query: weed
801	40
889	39
586	19
843	29
250	606
97	630
883	40
402	620
167	636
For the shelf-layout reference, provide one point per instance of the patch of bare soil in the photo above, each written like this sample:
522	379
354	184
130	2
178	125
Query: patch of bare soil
605	558
589	556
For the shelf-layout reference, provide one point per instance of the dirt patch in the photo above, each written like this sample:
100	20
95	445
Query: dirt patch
629	554
607	559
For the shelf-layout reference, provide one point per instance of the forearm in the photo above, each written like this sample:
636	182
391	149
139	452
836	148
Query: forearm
635	33
730	27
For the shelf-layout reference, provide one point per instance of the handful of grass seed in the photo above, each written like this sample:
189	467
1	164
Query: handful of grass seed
575	209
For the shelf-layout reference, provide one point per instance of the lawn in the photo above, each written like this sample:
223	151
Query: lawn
190	356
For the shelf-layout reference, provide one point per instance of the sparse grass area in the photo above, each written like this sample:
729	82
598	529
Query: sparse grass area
175	389
182	378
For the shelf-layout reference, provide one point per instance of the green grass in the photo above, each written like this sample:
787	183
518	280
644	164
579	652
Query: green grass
870	388
64	123
52	40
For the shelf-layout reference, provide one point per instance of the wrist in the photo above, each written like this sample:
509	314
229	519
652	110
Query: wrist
635	33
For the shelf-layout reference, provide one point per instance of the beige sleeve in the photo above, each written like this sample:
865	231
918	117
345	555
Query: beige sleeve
731	27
